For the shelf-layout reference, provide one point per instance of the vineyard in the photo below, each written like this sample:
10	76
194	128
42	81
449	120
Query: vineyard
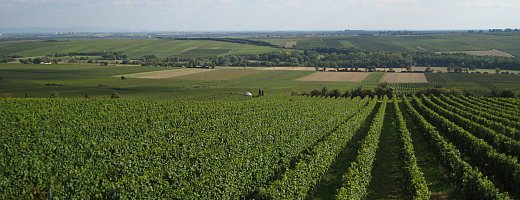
415	147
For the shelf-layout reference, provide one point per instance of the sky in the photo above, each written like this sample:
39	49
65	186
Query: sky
257	15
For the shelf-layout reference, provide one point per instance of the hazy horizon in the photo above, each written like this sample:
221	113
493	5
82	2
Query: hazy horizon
260	15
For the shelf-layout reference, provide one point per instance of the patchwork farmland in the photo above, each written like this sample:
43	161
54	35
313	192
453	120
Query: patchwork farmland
472	43
133	48
256	116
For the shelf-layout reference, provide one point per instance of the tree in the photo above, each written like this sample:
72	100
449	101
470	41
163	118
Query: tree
315	93
450	68
497	70
457	70
26	61
114	95
54	95
346	94
37	61
408	68
507	94
335	93
324	91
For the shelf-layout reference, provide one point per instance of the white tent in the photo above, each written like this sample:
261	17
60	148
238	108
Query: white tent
248	94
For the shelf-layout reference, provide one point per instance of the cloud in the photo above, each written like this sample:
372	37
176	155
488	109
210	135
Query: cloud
26	3
489	3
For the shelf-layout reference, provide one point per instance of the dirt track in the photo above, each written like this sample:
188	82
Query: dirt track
289	68
493	52
167	73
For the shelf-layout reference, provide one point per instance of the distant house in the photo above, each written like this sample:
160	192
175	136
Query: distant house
45	63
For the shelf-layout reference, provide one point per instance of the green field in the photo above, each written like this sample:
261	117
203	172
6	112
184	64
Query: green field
439	147
509	43
133	48
78	80
223	84
259	100
195	136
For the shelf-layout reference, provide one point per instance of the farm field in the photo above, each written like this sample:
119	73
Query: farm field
166	73
404	78
133	48
448	147
336	76
508	43
223	83
260	100
221	74
479	83
186	133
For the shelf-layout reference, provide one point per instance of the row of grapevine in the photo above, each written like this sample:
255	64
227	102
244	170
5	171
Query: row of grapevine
503	125
410	88
358	176
416	186
471	182
273	148
500	142
502	104
476	105
481	79
484	106
503	168
296	182
102	148
511	101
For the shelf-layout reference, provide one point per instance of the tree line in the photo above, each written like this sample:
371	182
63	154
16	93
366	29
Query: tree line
5	58
344	59
103	55
381	90
322	58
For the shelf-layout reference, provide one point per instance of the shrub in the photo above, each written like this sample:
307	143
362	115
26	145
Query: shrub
54	95
114	95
